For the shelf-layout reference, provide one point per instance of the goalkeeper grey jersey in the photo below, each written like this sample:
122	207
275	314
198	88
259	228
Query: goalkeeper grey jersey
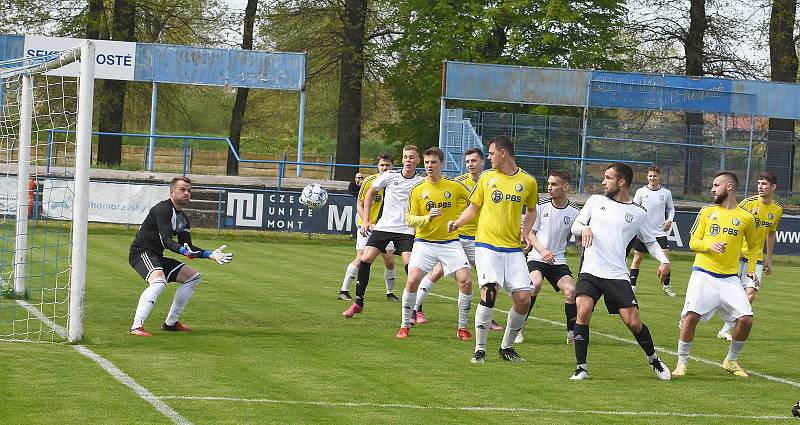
395	200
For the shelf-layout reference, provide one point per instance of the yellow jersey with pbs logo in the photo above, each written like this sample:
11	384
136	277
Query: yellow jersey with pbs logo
448	196
502	198
377	200
767	219
468	229
716	224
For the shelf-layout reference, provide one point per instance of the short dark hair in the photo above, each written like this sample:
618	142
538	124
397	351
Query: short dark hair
434	151
411	148
502	142
179	179
471	151
766	175
562	174
386	156
623	171
654	167
730	175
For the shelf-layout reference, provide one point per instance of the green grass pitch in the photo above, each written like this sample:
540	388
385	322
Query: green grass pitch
270	346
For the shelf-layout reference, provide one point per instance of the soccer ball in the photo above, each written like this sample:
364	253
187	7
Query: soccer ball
314	196
796	409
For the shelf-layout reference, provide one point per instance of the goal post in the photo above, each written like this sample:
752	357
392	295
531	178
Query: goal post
46	259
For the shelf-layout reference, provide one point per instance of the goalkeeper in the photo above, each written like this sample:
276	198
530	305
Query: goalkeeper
164	221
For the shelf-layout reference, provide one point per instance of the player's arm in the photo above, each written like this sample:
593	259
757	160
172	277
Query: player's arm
414	216
366	205
697	243
581	225
771	237
527	226
472	210
670	210
646	235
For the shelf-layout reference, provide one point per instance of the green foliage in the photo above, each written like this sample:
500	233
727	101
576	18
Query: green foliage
553	33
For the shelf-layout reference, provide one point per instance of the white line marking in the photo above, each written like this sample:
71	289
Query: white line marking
658	349
113	370
478	408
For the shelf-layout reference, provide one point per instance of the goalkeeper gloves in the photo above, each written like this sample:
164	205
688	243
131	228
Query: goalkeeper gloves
221	257
187	251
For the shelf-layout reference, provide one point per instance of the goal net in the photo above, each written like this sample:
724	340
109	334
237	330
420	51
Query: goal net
45	150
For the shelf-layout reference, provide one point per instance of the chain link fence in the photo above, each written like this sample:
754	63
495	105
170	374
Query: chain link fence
689	155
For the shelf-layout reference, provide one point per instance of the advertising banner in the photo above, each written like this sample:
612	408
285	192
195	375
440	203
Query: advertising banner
114	60
122	203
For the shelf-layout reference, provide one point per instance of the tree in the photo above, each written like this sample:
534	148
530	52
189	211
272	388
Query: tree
240	105
694	46
111	112
783	67
558	33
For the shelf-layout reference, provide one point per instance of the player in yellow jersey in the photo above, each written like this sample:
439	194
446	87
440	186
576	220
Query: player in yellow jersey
474	161
385	163
717	237
432	203
500	195
768	214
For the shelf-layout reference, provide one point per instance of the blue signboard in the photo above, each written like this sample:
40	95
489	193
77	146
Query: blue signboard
667	92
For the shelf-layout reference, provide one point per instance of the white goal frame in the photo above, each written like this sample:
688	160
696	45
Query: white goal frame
83	140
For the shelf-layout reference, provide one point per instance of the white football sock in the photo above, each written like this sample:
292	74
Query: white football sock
182	297
388	275
146	302
424	287
464	304
734	350
683	351
408	304
483	318
349	276
515	323
728	326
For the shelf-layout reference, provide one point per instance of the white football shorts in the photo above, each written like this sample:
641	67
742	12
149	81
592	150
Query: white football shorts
507	269
746	281
361	242
469	248
708	293
425	255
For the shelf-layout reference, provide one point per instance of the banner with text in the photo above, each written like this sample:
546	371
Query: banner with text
8	195
114	60
282	211
121	203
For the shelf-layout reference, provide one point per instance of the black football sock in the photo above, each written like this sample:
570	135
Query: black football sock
581	343
666	279
571	311
363	281
645	340
530	307
634	276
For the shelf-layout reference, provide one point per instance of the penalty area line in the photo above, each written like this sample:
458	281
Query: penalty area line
658	349
477	408
110	368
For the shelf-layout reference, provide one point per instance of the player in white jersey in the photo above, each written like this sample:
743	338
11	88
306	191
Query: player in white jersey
549	236
385	163
657	200
606	224
391	226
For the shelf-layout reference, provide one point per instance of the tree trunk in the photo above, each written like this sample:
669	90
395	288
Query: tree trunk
784	64
694	48
112	110
348	139
94	19
239	107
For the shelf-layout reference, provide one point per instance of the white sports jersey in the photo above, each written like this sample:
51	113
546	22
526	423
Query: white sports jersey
659	206
395	201
553	228
613	225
